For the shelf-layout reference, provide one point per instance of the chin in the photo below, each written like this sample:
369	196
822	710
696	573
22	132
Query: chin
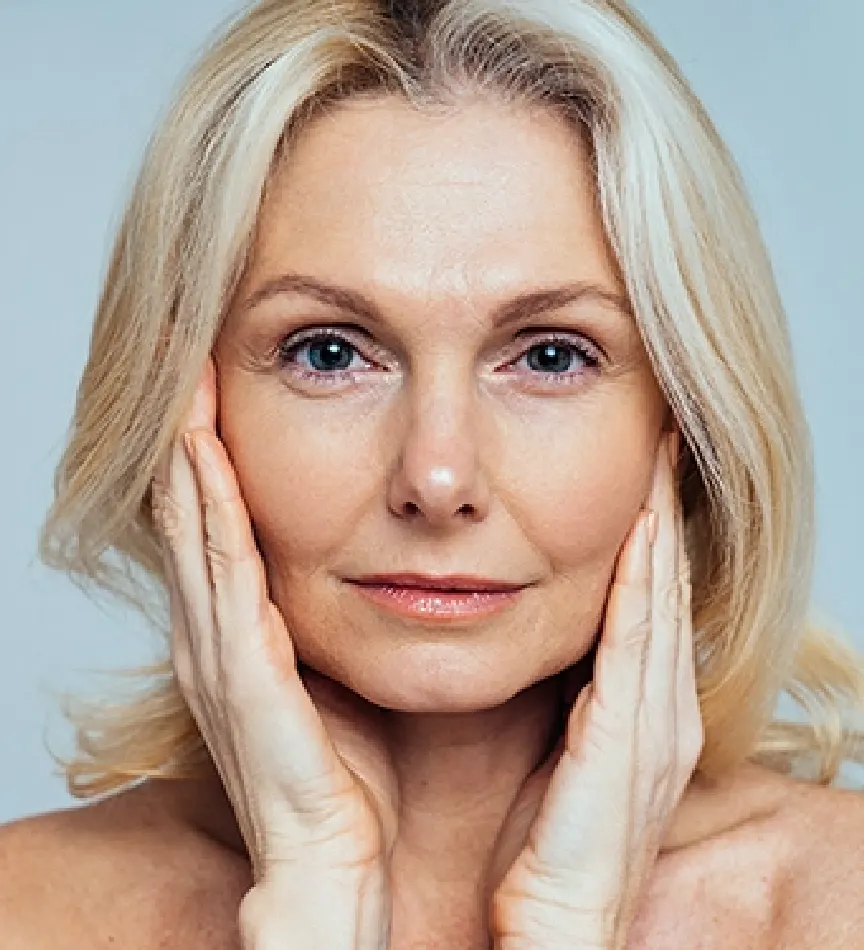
442	683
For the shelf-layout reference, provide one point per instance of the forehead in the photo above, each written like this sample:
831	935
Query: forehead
479	194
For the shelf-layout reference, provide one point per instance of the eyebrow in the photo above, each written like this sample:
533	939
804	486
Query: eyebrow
520	307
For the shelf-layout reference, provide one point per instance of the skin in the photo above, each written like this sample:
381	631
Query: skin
437	221
458	752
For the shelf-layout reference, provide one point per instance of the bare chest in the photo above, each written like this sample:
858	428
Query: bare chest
714	898
682	912
719	900
724	899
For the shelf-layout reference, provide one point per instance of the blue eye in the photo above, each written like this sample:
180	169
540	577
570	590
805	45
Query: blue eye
328	355
320	355
562	358
550	358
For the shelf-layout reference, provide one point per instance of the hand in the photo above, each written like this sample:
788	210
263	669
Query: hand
573	877
303	761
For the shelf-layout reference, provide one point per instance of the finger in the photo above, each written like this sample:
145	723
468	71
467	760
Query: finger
628	625
180	643
674	656
186	547
166	515
664	709
234	568
202	414
601	731
255	656
671	701
690	713
627	632
177	513
661	668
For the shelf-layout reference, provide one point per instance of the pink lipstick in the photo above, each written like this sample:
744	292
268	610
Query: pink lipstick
438	598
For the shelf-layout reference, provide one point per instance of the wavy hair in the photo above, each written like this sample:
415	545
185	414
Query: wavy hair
697	273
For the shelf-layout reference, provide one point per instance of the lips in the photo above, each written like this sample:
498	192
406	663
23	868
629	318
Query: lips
438	598
440	582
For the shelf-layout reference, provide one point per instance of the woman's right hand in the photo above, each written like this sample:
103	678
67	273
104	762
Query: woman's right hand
303	760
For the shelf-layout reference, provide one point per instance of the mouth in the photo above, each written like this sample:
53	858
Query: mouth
439	582
438	597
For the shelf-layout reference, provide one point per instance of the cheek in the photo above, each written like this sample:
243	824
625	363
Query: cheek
299	499
578	507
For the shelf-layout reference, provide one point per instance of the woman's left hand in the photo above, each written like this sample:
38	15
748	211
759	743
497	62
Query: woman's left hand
573	877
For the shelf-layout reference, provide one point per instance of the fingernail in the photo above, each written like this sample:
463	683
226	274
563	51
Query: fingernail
637	562
651	523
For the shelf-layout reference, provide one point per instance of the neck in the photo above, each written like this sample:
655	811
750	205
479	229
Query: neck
458	775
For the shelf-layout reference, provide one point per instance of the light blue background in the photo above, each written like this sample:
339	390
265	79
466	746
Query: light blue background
81	84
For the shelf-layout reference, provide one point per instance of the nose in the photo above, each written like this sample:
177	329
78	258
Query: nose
438	478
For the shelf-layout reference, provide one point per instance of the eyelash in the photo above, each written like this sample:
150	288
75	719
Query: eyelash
287	351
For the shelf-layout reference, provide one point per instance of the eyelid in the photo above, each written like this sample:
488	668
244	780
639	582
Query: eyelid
372	352
535	335
578	341
340	331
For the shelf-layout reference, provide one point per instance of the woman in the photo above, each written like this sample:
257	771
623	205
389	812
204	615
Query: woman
441	383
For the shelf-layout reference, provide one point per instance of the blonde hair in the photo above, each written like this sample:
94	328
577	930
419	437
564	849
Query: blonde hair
695	267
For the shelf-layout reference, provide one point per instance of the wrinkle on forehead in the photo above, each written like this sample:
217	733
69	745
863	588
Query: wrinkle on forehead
436	215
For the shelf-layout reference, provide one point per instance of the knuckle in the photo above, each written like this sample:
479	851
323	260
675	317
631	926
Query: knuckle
219	560
216	544
226	548
168	514
669	599
228	565
638	636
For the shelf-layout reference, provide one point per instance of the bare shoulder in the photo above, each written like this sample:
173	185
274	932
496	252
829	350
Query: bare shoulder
719	877
760	861
822	904
122	872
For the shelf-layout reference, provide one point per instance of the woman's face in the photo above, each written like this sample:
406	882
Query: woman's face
439	377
